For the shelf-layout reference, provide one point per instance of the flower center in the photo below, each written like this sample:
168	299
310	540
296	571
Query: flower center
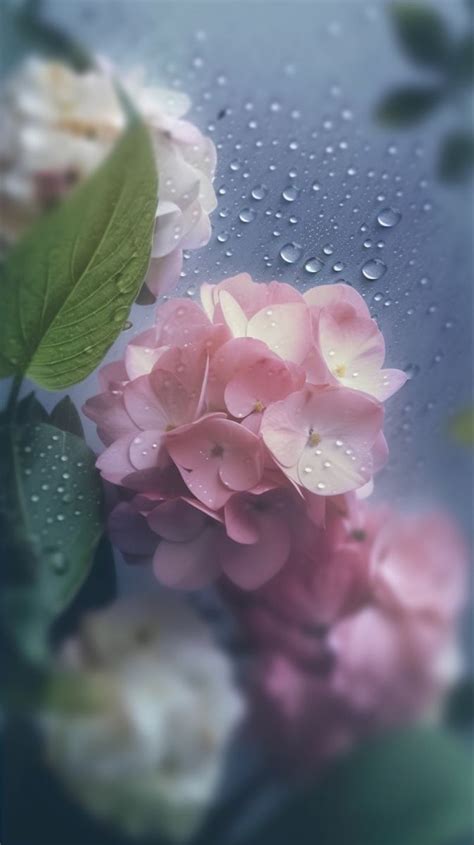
314	438
259	406
217	451
340	371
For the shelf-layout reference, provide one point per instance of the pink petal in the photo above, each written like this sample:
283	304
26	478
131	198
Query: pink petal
253	388
129	531
108	412
251	565
286	329
176	521
142	353
233	315
190	565
345	424
143	405
327	295
114	464
249	295
181	321
163	273
240	520
113	376
146	450
352	346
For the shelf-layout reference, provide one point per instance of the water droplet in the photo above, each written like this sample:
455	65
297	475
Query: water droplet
338	266
34	497
58	562
328	249
411	370
316	186
373	269
290	193
313	265
259	192
388	217
321	485
290	252
247	215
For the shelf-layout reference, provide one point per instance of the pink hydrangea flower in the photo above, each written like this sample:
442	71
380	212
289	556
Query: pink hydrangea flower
358	633
224	411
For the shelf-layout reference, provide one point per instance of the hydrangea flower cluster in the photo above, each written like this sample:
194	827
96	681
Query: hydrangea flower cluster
235	426
357	635
59	124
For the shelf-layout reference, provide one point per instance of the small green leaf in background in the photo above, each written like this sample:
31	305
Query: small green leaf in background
461	427
462	67
422	33
98	590
460	705
457	156
66	417
50	512
409	787
68	285
408	104
47	38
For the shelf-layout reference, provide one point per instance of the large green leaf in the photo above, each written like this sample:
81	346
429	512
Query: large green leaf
422	33
411	787
50	514
408	104
67	287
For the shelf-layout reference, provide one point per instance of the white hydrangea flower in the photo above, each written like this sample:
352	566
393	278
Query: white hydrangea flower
148	755
58	125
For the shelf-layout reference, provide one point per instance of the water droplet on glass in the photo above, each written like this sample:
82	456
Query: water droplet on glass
373	269
290	193
259	192
313	265
290	252
328	249
388	217
247	215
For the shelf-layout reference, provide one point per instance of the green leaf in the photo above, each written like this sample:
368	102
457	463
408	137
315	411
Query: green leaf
422	33
462	66
50	513
409	787
460	705
456	158
67	287
66	417
408	105
98	590
461	427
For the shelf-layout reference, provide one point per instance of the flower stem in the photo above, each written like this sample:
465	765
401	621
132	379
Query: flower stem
10	408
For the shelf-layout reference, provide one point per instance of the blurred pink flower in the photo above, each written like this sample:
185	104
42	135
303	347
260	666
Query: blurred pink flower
358	633
229	410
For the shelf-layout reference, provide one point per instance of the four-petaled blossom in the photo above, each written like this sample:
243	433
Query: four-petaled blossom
230	408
